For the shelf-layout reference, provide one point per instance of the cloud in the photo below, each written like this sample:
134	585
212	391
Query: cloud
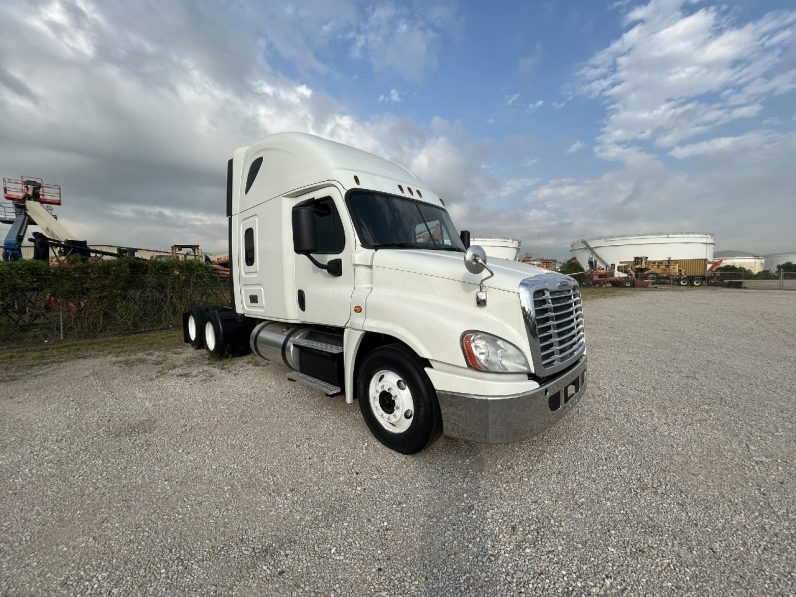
136	111
515	185
677	73
511	99
576	146
135	116
392	97
738	143
394	38
534	106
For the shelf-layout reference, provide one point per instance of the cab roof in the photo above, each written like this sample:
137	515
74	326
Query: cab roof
293	161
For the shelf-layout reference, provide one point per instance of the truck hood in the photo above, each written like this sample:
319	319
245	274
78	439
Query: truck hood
450	265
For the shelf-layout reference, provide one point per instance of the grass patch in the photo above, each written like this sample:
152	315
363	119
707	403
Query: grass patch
594	292
15	362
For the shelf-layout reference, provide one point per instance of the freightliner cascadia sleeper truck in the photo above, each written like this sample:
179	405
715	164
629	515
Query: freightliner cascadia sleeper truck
348	269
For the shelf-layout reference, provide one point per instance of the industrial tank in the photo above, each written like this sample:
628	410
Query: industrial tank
772	261
752	263
616	249
498	248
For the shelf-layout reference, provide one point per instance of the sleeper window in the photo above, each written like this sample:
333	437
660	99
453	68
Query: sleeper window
248	242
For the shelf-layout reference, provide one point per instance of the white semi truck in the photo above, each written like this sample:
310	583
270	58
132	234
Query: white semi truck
348	269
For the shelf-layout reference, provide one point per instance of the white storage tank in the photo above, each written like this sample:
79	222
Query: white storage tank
772	261
616	249
752	263
498	247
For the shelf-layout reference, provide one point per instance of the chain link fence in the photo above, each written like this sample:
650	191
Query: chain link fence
781	280
86	300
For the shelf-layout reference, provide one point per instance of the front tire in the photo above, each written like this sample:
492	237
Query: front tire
397	400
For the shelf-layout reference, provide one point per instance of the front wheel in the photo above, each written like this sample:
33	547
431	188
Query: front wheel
397	400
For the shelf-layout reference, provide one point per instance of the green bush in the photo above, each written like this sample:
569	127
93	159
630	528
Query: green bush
94	298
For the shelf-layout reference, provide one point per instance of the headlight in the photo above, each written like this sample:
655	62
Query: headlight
486	352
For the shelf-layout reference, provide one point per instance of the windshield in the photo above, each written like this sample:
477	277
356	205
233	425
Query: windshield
388	221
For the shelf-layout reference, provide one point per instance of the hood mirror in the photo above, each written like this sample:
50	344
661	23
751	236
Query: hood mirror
475	262
475	259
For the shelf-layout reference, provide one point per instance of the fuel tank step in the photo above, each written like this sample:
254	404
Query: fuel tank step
328	347
327	388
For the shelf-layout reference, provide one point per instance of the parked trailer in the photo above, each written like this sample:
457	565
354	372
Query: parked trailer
349	270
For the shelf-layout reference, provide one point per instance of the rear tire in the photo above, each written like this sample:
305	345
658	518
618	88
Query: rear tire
397	400
214	338
683	281
195	328
697	281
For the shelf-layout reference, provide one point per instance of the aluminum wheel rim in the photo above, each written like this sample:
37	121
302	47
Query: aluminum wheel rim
391	401
192	327
210	336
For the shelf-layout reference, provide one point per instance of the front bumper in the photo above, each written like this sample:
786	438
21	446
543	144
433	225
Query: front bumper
503	419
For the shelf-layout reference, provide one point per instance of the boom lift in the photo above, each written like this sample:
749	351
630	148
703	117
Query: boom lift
597	260
31	199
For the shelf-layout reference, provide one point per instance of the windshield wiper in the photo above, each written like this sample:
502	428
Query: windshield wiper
395	246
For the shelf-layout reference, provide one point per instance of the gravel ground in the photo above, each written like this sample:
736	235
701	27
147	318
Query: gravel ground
167	473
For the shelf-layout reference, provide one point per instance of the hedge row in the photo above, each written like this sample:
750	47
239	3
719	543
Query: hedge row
94	298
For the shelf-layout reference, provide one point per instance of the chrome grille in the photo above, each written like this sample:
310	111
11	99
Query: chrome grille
553	314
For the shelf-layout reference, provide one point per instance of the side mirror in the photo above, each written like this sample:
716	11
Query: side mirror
305	239
475	259
465	236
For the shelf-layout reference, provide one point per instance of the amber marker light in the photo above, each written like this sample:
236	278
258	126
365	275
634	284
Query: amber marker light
472	360
357	309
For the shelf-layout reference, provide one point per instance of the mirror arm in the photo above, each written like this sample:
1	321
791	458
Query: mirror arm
334	267
480	296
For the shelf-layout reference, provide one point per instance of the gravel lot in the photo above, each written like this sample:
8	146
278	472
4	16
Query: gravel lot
167	473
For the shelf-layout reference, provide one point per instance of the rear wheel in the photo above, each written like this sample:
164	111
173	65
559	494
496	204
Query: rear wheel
397	400
195	324
214	339
697	281
683	281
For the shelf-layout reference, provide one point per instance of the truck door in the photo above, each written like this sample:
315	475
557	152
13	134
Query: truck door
321	297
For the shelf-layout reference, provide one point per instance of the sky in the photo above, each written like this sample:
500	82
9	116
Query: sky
544	121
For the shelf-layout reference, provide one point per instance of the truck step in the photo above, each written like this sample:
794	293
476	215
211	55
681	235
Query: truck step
320	346
328	389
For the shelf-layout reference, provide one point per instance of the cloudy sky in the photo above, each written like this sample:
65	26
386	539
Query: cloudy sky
545	121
